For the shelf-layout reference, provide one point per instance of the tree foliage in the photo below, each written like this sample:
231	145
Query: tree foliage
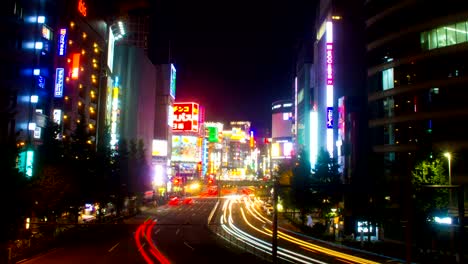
430	200
300	185
326	190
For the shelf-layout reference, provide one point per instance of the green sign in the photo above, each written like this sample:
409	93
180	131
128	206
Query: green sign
212	134
172	85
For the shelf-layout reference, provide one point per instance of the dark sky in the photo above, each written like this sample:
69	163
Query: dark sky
233	57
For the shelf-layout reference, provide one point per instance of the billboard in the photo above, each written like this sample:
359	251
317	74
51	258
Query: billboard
186	116
282	150
185	148
282	124
159	148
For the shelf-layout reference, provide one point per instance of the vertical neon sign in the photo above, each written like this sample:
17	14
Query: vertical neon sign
329	83
62	42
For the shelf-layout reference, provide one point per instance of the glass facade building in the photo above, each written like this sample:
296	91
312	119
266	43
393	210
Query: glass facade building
417	75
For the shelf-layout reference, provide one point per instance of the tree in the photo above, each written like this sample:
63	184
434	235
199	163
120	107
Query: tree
285	174
300	185
326	190
430	172
12	193
50	184
326	169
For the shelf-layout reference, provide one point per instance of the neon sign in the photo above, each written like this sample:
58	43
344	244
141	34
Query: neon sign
172	86
62	42
329	117
82	8
41	81
186	117
59	74
75	66
329	63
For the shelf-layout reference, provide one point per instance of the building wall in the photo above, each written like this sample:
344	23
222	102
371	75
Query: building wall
416	87
19	57
138	94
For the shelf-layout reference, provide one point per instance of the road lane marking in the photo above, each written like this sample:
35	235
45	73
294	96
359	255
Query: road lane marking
39	256
185	243
177	231
112	248
142	245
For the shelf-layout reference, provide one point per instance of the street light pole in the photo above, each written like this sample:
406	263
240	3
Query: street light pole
449	158
274	242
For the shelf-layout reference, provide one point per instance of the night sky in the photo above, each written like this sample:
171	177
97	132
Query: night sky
233	57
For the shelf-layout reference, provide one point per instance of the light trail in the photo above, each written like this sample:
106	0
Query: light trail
257	243
250	207
143	232
306	244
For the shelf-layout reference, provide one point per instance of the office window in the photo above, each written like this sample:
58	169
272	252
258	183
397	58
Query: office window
441	37
451	36
444	36
387	79
389	107
461	32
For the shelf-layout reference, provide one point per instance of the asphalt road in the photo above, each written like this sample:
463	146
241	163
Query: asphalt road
168	234
181	234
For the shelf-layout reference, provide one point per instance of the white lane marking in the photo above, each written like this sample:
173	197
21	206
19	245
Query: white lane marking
185	243
112	248
177	231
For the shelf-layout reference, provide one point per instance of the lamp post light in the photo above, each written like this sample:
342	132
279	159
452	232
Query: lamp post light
449	158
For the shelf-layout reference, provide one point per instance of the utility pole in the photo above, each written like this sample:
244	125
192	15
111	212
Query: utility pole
275	221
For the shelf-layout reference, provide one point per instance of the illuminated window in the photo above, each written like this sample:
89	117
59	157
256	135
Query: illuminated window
444	36
387	79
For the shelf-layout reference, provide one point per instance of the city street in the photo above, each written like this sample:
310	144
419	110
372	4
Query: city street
179	235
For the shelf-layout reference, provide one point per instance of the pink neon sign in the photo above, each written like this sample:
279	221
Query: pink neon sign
329	63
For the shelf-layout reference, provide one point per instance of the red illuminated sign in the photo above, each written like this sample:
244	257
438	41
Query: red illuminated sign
82	7
75	66
186	117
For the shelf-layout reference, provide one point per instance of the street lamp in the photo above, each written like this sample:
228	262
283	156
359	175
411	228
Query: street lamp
449	158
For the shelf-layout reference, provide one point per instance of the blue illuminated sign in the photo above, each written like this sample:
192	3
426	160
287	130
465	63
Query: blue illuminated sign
329	117
41	82
62	42
59	75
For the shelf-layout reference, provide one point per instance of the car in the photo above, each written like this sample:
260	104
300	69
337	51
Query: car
268	209
174	201
188	201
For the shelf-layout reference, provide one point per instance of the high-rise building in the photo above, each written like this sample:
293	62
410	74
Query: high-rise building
26	74
416	92
81	69
303	92
330	98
